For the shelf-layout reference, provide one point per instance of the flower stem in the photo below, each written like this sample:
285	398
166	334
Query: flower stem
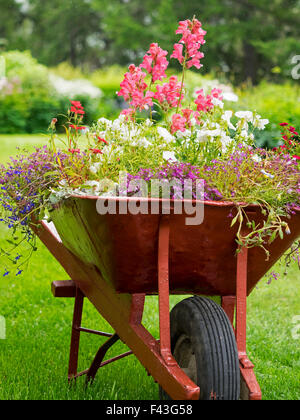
182	82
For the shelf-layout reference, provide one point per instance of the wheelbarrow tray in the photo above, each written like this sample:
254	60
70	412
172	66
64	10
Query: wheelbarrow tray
115	260
124	247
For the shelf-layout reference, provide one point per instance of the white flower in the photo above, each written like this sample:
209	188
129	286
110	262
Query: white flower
243	125
148	123
218	103
230	96
206	135
214	133
183	134
143	142
225	141
245	115
170	156
116	124
193	122
202	136
165	134
85	130
244	134
105	121
256	158
71	88
95	168
227	117
260	123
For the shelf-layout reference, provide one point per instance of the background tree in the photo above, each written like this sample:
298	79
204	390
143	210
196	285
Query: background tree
67	30
10	19
246	39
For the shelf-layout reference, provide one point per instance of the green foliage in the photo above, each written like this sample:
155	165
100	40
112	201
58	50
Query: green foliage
246	39
278	103
30	101
108	79
13	114
67	71
242	40
34	103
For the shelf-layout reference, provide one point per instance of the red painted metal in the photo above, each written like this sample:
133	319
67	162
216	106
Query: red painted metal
68	289
87	330
100	356
64	288
124	248
163	291
246	367
119	311
228	304
75	338
117	259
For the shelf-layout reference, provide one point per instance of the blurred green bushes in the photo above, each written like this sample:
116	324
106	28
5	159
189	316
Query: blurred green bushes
31	95
278	103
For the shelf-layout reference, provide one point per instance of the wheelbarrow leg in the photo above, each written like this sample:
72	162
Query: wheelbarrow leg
75	338
228	304
95	366
164	291
250	389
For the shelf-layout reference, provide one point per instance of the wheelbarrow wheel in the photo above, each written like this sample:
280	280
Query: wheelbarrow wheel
204	346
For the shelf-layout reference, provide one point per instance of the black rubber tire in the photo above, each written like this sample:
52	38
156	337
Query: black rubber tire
204	345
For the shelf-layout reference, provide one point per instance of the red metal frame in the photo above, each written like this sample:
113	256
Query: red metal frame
124	312
77	329
250	389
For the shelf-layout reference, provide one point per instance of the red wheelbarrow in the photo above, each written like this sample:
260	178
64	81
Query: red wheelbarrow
116	260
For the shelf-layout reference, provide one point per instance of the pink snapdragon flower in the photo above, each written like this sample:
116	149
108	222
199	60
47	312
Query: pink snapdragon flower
193	38
195	61
217	93
155	62
169	92
177	53
178	123
204	103
133	88
189	114
141	100
184	121
128	113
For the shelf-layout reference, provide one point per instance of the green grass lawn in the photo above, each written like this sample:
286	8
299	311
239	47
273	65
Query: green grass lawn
34	355
9	144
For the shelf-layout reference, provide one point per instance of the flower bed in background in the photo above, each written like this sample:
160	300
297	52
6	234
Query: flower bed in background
30	95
